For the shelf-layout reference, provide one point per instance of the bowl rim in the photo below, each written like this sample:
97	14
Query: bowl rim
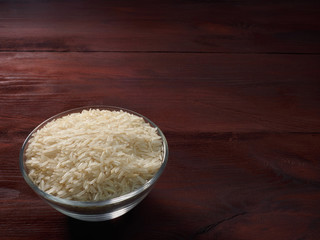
101	203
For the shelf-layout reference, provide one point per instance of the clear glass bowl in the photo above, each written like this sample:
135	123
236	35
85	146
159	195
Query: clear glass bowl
99	210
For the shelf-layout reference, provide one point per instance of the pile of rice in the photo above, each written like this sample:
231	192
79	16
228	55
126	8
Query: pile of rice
93	155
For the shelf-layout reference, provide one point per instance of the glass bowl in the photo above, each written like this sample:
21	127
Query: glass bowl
95	210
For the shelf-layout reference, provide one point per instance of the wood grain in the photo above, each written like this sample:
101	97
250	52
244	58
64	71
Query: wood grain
175	26
220	93
223	186
234	85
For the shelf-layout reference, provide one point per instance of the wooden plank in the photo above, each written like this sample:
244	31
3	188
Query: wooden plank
180	92
216	186
180	26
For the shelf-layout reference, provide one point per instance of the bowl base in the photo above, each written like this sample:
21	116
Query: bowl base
102	216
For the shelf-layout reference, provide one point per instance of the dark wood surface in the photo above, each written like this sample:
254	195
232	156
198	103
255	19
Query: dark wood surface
234	85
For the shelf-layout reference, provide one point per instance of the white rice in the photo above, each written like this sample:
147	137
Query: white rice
94	155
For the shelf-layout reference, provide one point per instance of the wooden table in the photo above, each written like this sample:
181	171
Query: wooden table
234	85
